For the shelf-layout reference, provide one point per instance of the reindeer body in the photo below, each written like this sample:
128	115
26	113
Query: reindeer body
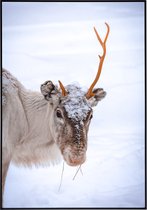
27	139
25	120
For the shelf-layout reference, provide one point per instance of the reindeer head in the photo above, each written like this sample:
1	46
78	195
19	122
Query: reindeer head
72	112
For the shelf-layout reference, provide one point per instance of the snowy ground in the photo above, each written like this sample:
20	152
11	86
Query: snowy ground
55	41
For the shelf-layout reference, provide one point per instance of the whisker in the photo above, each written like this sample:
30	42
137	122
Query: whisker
61	178
79	168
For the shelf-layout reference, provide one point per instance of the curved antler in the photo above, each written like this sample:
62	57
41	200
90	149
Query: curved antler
64	92
89	94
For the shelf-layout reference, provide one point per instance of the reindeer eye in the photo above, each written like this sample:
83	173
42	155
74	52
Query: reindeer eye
59	114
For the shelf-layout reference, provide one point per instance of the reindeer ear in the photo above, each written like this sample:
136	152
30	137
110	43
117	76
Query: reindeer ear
48	90
99	95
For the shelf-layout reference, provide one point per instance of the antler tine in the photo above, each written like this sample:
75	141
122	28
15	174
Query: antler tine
64	92
89	94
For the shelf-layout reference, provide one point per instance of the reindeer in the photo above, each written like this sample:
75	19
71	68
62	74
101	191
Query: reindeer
40	129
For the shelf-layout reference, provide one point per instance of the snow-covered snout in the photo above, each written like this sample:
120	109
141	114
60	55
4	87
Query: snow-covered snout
71	133
70	119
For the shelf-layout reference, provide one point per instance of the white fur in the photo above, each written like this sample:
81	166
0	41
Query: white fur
27	137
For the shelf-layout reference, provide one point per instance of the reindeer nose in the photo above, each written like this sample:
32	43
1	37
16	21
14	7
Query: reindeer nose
76	161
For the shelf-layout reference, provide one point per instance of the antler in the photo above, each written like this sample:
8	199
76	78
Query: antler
64	92
89	94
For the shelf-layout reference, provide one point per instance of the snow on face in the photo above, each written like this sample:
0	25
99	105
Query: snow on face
75	103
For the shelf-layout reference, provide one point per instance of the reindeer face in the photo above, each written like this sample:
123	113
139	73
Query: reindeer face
73	115
70	119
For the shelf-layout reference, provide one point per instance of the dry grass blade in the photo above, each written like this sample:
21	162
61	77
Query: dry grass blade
81	171
61	178
79	168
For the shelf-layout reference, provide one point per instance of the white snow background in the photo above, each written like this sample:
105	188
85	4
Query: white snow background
56	41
